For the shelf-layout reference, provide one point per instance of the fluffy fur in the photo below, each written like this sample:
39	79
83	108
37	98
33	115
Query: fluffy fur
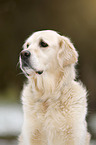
54	104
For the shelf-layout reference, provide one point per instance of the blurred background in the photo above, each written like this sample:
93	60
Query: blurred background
18	20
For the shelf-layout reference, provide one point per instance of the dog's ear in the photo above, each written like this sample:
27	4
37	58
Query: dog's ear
67	54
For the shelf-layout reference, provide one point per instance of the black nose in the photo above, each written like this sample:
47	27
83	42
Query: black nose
25	54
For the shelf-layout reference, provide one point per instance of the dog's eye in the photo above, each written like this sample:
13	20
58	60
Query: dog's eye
27	45
43	44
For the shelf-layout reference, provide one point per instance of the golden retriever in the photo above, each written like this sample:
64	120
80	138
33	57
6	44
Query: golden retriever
54	104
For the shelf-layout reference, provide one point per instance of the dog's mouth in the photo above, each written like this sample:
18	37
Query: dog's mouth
37	72
28	69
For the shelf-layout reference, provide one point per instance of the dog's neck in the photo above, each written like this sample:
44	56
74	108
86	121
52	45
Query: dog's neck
52	82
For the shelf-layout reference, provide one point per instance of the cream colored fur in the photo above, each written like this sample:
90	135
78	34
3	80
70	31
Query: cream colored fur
54	104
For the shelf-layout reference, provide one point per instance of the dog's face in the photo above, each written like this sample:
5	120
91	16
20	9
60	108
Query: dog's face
46	51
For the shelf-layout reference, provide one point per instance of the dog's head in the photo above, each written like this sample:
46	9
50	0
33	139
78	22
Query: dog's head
46	51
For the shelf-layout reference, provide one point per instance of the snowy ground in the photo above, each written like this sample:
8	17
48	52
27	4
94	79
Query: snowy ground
11	118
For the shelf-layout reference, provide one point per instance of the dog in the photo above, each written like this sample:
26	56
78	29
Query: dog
54	103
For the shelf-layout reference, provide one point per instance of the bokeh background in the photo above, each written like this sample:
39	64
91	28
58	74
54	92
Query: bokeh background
18	20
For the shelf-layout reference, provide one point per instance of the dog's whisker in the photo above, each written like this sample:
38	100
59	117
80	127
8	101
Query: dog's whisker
21	73
18	63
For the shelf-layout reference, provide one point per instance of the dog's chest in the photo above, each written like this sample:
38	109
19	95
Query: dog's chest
46	106
49	110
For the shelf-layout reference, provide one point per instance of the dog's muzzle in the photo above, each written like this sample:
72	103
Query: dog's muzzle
25	56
